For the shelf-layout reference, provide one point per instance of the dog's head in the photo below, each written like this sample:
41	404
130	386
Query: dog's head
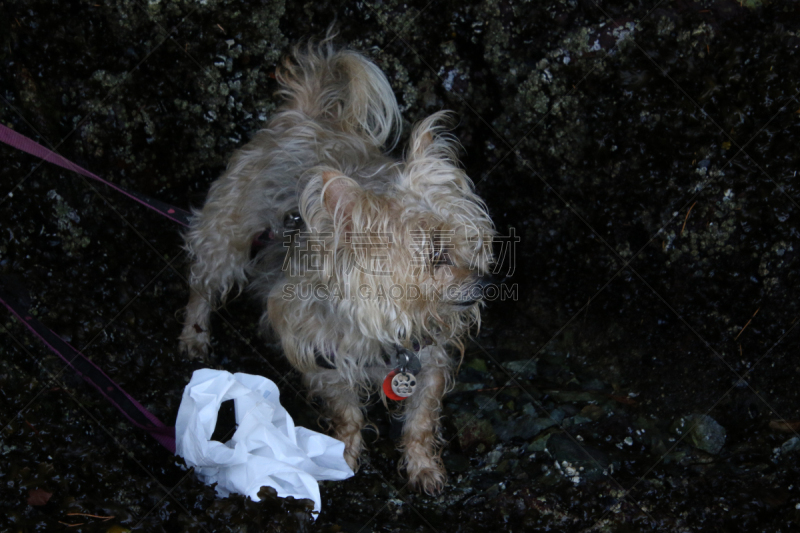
409	262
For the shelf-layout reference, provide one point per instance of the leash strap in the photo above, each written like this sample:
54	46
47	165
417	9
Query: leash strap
83	366
91	373
21	142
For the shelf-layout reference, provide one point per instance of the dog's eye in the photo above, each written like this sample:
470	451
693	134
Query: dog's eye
293	221
439	257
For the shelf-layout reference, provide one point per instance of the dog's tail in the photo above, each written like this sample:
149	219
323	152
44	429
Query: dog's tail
342	86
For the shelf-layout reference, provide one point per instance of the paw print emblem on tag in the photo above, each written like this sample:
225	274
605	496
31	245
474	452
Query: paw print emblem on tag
403	384
399	385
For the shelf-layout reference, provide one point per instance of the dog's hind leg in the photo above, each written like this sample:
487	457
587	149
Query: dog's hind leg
218	242
196	335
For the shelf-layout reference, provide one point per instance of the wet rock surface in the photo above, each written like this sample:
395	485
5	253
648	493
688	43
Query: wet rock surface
644	154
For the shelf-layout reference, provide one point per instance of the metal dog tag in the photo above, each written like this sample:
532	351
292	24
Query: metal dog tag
403	384
405	360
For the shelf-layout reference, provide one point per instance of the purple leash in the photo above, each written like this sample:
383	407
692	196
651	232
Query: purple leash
83	366
20	142
92	374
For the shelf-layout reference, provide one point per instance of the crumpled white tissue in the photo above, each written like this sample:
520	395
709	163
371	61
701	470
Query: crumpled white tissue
266	449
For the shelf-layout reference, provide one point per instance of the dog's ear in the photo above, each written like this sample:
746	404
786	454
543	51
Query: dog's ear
338	193
420	141
432	166
429	131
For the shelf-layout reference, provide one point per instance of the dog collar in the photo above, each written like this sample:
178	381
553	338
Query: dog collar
292	222
402	359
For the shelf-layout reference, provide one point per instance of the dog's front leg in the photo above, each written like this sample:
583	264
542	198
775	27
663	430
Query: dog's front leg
421	441
343	406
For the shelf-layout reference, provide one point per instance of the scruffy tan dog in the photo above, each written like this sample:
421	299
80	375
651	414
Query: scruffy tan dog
373	268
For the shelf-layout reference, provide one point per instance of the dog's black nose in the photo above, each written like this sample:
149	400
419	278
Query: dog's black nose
483	283
489	279
477	291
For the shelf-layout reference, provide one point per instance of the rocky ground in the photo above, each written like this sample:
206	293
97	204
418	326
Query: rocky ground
645	154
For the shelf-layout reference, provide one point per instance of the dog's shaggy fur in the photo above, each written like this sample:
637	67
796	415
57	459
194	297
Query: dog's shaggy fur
392	252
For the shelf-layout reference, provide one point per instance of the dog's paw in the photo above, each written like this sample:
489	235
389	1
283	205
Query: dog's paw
353	445
194	342
353	458
429	480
